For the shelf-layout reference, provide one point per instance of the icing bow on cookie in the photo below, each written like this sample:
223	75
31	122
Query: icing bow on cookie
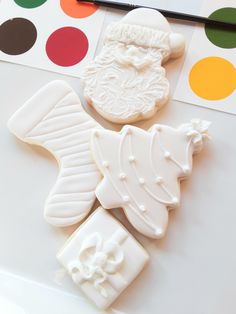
197	130
96	261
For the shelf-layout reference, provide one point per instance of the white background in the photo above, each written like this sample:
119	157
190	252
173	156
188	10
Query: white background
192	270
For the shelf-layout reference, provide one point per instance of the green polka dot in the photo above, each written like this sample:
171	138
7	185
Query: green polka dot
222	38
29	4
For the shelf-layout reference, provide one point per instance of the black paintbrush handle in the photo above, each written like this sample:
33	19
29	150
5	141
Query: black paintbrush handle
166	13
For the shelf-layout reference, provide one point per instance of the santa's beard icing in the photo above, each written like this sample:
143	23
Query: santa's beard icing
126	82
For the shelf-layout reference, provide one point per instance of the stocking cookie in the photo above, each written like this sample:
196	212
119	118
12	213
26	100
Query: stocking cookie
126	82
55	119
142	170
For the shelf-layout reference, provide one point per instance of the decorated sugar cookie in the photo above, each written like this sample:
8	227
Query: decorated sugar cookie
126	82
142	170
55	120
102	258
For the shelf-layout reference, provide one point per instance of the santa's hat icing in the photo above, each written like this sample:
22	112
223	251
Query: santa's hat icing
147	28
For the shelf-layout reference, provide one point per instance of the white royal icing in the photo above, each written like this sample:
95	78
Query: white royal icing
55	119
141	170
126	82
97	259
102	258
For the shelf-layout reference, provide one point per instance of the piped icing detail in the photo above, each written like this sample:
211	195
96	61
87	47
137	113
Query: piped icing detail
102	258
126	82
142	178
97	259
54	119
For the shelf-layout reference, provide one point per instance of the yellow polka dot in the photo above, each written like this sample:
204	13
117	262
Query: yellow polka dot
213	78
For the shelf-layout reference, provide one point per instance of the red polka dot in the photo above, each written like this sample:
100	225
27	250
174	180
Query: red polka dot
67	46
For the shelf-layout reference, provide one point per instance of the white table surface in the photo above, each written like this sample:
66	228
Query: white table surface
192	270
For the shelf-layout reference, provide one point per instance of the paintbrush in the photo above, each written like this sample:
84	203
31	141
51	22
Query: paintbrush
166	13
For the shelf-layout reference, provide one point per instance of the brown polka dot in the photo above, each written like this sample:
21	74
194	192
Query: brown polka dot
17	36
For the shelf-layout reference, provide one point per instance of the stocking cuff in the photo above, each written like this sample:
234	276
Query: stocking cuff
37	107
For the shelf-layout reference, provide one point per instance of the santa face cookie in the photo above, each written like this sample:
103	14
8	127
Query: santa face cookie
142	170
126	82
54	119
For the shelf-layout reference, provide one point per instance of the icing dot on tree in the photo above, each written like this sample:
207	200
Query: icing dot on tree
142	208
131	159
122	176
126	199
167	155
141	181
159	180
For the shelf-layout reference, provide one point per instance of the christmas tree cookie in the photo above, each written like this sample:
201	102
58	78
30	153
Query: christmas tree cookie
54	119
142	170
126	82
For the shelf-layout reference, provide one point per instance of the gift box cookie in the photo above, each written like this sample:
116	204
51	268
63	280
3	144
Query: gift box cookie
102	258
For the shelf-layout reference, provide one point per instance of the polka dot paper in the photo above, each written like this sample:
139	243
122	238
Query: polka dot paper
208	77
54	35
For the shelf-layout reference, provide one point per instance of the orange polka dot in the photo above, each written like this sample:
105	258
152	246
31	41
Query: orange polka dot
78	10
213	78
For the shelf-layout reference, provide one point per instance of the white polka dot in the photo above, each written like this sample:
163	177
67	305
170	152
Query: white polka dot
175	201
131	159
126	199
167	155
122	176
159	180
141	181
142	208
186	169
